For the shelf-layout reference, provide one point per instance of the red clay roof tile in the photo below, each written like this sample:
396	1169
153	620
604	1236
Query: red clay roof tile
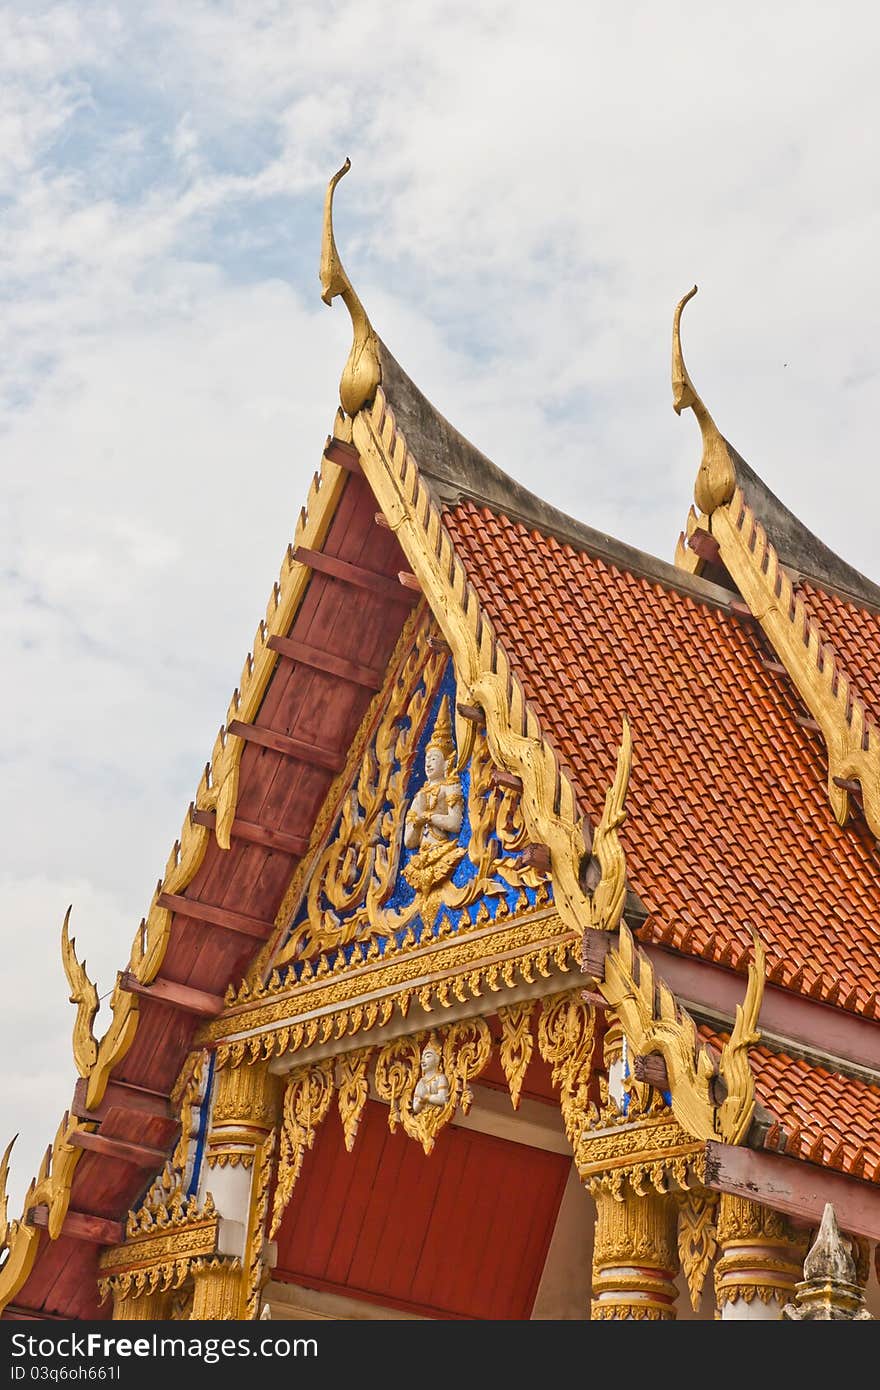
728	809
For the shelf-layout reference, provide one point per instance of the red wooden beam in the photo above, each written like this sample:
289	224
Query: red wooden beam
806	722
536	857
139	1155
79	1225
381	520
191	1001
775	666
505	779
834	1032
471	712
346	455
288	747
409	580
849	784
318	660
797	1188
121	1095
334	568
596	945
651	1069
253	834
216	916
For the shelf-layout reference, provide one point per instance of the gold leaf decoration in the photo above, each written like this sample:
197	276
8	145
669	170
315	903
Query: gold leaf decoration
353	1089
256	1239
738	1106
697	1240
566	1039
486	679
362	372
716	478
306	1101
609	895
466	1048
517	1044
85	996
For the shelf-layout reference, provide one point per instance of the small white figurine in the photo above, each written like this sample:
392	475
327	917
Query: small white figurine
432	1087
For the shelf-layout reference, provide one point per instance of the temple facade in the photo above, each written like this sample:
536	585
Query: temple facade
519	955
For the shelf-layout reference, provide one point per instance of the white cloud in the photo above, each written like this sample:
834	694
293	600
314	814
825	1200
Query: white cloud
531	193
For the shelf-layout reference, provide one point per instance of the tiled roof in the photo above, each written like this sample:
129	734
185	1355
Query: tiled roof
825	1117
728	824
855	634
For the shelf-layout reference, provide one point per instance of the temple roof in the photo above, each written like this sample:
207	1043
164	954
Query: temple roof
798	548
822	1114
729	824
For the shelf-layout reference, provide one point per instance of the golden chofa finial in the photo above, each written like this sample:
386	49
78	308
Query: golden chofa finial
362	373
716	479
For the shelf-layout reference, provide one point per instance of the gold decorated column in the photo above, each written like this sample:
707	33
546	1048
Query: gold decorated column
238	1171
130	1306
635	1255
216	1290
760	1260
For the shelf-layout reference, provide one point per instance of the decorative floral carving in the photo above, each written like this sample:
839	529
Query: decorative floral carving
566	1039
697	1240
466	1049
517	1044
354	888
306	1102
353	1088
256	1237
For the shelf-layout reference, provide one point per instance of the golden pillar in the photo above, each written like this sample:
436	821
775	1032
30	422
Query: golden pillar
128	1305
239	1158
760	1260
635	1255
245	1109
216	1290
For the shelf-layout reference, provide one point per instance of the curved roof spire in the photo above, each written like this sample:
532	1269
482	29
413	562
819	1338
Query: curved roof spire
716	479
363	372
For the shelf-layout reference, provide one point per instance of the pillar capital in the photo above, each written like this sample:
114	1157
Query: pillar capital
635	1255
760	1260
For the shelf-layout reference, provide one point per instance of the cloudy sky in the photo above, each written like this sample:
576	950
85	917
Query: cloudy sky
532	190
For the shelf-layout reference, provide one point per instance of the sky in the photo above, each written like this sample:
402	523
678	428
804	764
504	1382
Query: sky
532	190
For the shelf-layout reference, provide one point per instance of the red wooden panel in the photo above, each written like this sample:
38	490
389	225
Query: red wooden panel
462	1232
388	1182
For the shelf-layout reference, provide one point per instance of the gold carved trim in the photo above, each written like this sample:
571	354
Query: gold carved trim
609	895
567	1041
852	739
311	530
277	949
483	670
716	478
653	1152
697	1240
654	1022
353	1087
344	1003
85	996
307	1099
217	790
216	1289
517	1045
255	1244
466	1049
363	371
